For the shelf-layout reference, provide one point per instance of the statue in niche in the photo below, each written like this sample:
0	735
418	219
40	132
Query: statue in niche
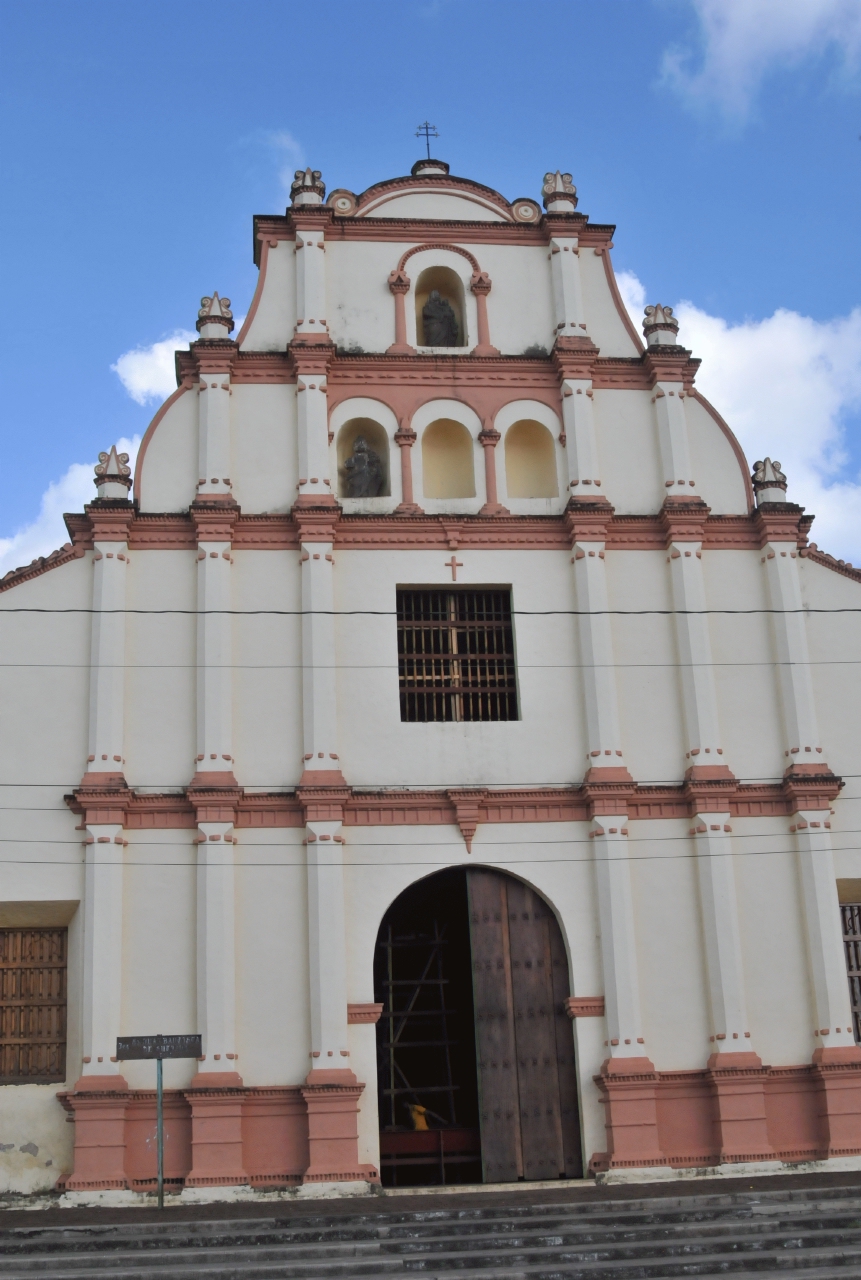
440	322
364	470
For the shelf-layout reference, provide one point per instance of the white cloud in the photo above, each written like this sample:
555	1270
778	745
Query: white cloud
291	156
786	385
741	41
47	531
148	373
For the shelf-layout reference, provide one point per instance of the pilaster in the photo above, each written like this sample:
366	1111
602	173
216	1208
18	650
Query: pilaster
110	523
721	933
214	525
567	288
587	524
103	947
833	1015
311	355
780	558
319	718
618	942
214	359
310	249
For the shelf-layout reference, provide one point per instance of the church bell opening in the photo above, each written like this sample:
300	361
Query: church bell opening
475	1054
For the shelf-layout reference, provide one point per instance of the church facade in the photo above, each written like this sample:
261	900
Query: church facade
445	724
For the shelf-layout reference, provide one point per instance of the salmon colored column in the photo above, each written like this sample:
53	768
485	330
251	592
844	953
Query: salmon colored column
405	438
399	284
489	438
481	286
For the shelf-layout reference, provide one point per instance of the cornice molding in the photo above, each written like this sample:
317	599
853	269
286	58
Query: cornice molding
589	521
466	807
270	228
175	531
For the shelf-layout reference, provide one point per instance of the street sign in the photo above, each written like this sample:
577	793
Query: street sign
130	1047
158	1047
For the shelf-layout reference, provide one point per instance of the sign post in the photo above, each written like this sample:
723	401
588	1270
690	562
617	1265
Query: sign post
158	1047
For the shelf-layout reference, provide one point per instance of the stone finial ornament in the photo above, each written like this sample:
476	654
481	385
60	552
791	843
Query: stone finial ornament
769	482
429	168
307	187
661	327
113	477
214	319
560	194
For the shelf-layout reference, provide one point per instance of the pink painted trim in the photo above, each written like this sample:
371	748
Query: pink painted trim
153	531
819	557
736	447
359	1013
452	248
585	1006
381	192
149	433
41	565
258	292
619	304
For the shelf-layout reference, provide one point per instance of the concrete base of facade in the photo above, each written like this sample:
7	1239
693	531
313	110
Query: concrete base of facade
747	1169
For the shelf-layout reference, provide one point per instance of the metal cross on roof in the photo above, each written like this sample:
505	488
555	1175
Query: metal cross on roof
427	131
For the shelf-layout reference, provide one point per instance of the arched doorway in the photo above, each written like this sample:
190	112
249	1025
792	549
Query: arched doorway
475	1055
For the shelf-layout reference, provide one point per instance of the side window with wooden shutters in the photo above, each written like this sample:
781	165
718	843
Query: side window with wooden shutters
32	1005
851	913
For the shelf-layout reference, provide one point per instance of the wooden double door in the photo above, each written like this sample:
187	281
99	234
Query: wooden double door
476	1070
527	1082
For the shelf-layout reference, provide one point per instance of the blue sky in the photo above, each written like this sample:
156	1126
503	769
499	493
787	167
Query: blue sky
137	140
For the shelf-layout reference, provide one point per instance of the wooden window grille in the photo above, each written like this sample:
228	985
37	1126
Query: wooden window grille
456	655
32	1005
851	913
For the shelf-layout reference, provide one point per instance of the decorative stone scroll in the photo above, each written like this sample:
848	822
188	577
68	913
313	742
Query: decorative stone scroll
113	477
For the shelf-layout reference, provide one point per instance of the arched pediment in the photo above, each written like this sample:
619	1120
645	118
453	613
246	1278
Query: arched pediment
436	196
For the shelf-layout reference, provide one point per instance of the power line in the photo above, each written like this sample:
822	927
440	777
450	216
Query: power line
393	666
392	613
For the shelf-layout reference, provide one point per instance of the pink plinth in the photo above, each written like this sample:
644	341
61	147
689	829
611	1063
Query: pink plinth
332	1099
628	1088
838	1072
738	1083
141	1144
275	1136
216	1099
99	1107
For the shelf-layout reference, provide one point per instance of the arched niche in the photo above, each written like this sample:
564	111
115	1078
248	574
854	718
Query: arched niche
448	468
376	439
530	461
450	287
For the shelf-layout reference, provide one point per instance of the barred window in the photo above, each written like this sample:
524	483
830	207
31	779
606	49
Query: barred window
851	913
456	655
32	1005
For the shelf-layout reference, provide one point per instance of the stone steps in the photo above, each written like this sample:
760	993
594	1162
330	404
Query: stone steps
812	1233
